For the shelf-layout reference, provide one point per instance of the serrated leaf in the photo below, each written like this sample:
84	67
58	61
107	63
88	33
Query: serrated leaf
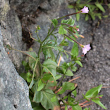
46	102
93	92
97	101
54	98
49	66
100	6
66	86
62	30
55	22
38	96
79	63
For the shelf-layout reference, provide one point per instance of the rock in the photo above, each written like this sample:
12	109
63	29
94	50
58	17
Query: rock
25	7
12	33
14	94
96	65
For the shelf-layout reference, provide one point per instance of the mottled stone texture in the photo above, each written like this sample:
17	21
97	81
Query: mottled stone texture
12	32
25	7
14	94
96	64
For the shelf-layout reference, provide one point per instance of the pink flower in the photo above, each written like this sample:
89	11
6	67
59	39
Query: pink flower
86	48
85	10
77	29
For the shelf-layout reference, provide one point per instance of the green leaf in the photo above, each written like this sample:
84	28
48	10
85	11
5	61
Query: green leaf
58	76
66	108
74	68
76	107
87	109
38	96
31	60
68	21
79	63
29	77
97	101
46	77
100	6
64	43
54	98
49	66
70	6
77	15
55	22
75	50
74	93
86	17
93	92
46	101
92	16
23	75
62	30
66	86
48	53
36	106
69	73
40	85
78	1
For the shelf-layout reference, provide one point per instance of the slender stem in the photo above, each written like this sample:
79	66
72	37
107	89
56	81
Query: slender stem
69	15
71	33
38	37
67	25
61	81
73	39
62	78
40	50
24	52
57	56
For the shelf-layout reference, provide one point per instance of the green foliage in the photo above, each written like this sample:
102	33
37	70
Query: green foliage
46	79
95	8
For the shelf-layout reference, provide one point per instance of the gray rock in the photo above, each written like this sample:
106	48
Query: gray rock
14	94
96	65
25	7
12	33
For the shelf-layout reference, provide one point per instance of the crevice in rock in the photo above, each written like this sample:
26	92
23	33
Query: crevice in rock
26	38
15	106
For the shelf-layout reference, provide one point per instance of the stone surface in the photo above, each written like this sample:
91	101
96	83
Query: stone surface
96	65
12	32
25	7
14	94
